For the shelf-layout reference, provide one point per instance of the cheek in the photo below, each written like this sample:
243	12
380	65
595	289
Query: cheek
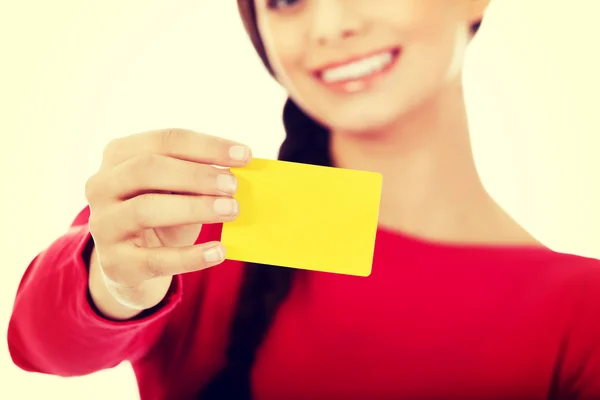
288	67
436	61
284	46
287	56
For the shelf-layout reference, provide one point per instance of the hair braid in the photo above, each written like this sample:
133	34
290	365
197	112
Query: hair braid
265	287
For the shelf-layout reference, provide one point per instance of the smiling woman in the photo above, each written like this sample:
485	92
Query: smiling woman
413	46
462	303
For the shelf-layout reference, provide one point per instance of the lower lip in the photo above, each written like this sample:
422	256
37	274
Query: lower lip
364	83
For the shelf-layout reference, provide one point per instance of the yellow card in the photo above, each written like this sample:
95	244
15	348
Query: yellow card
305	216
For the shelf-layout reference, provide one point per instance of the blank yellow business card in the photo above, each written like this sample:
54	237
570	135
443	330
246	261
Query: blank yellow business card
305	216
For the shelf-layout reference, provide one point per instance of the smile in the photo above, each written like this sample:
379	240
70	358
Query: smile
357	74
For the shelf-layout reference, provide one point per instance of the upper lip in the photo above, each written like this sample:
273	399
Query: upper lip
336	64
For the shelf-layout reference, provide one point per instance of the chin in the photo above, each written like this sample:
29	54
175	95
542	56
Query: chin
363	122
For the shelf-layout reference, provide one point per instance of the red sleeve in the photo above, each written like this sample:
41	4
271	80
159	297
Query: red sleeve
580	369
54	328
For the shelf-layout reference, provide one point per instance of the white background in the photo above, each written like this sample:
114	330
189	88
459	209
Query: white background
76	73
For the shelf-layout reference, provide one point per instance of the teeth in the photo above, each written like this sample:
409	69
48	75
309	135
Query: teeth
358	69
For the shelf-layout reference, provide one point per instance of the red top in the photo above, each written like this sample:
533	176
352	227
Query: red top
432	322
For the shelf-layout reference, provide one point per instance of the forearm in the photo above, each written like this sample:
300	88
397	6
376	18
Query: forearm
54	328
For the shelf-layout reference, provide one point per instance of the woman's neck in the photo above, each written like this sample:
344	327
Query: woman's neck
431	186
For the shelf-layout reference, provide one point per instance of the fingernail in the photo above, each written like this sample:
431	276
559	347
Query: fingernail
226	207
226	183
239	153
214	254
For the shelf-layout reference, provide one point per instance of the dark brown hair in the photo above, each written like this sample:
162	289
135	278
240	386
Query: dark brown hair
265	287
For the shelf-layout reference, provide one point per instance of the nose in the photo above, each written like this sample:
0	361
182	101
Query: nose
333	21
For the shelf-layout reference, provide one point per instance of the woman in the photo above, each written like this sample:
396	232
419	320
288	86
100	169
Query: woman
462	302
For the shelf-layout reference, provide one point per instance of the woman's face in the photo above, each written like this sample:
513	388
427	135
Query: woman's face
361	65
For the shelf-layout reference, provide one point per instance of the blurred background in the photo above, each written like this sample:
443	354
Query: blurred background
75	74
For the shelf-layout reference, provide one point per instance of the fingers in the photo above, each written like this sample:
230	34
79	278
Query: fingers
126	219
179	143
158	173
147	263
158	188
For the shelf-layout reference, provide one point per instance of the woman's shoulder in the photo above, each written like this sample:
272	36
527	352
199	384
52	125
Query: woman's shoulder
572	279
579	267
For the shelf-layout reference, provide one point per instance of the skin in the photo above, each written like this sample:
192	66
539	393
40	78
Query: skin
154	190
148	201
411	126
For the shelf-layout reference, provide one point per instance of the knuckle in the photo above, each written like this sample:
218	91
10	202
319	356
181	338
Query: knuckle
172	138
139	211
142	168
90	188
100	187
148	162
112	149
